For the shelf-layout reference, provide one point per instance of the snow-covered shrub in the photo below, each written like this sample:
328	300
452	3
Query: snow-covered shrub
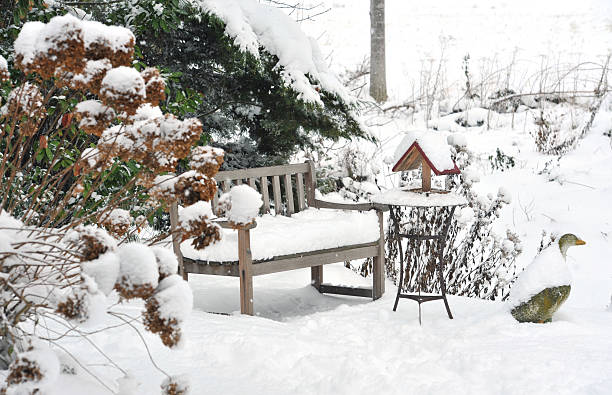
32	371
481	259
176	385
56	259
557	129
350	174
501	161
505	101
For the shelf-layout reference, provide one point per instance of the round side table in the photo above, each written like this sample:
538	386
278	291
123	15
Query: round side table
397	199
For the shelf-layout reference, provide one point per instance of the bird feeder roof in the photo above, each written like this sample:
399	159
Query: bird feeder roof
428	146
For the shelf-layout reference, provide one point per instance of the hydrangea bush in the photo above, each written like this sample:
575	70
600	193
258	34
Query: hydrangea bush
58	264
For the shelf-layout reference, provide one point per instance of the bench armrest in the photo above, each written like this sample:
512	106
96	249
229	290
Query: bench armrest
225	224
351	206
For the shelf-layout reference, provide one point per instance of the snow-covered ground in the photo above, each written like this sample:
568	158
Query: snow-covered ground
302	342
306	343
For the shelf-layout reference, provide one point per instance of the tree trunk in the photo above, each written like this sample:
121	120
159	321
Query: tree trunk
378	79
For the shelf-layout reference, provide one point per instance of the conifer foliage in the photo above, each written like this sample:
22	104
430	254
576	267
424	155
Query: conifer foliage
245	90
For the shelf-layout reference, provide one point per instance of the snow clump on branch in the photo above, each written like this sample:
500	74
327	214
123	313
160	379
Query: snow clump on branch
254	25
4	72
240	205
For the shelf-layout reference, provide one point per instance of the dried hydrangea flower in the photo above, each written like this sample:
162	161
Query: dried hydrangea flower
206	160
117	222
93	116
114	43
168	308
154	85
90	79
123	89
138	274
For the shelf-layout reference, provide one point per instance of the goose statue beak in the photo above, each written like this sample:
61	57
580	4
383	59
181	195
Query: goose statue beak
580	242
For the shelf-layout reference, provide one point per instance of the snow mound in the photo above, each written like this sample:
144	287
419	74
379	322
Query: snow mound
253	25
57	31
548	269
145	112
119	216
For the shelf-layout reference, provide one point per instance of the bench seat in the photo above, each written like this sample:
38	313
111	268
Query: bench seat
309	230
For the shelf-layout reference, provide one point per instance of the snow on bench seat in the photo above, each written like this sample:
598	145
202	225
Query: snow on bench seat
306	231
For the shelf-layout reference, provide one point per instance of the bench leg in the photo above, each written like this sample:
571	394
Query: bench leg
316	277
378	270
246	274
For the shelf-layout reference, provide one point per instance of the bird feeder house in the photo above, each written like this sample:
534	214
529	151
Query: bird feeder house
427	150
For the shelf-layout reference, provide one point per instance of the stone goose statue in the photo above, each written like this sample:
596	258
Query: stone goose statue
545	284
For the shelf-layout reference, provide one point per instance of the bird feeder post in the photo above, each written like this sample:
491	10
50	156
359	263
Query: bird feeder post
425	177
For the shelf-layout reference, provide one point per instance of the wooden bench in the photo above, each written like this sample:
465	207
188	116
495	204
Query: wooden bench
302	176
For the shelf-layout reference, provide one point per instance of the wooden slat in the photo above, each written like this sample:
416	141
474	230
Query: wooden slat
300	192
426	177
316	276
289	195
245	267
264	194
226	186
378	269
228	225
343	206
262	171
215	202
351	206
310	184
199	267
286	262
410	161
176	238
317	258
278	209
350	291
252	183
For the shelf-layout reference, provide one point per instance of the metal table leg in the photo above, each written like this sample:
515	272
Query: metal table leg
441	239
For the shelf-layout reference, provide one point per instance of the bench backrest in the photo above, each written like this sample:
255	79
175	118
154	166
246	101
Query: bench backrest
298	186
